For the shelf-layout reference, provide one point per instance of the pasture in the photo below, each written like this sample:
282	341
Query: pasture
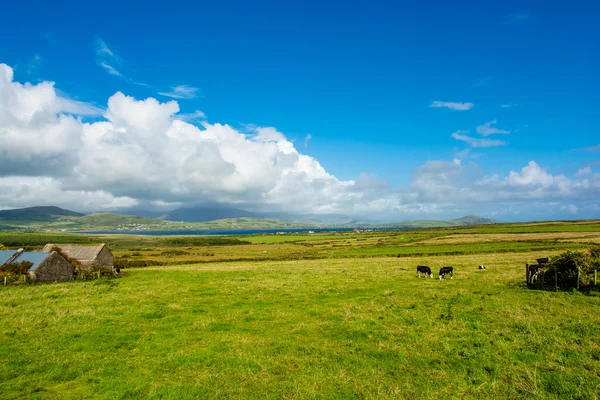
353	324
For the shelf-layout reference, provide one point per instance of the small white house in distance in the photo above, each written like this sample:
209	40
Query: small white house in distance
46	266
85	254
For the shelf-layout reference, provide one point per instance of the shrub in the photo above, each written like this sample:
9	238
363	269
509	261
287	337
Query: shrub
172	253
93	272
570	266
17	268
14	272
73	261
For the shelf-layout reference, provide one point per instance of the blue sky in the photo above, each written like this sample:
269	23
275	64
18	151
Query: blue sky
360	80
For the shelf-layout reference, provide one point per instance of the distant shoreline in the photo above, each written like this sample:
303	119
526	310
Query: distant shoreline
218	232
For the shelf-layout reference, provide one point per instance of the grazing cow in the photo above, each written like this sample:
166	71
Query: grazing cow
542	260
532	272
482	267
425	270
446	271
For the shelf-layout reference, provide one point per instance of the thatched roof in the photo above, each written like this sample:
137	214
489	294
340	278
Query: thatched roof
77	251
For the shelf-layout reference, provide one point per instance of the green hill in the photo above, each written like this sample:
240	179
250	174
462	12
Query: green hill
464	221
58	219
45	213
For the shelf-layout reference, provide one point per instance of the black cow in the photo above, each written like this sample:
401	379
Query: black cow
542	260
425	270
446	271
482	267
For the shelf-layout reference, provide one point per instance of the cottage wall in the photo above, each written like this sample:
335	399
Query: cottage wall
105	258
53	268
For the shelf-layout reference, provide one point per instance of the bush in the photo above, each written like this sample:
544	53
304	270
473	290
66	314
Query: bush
73	261
14	272
93	272
17	268
569	266
173	253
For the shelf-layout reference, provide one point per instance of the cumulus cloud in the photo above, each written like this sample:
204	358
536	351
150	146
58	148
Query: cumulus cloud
532	174
584	171
457	106
15	192
75	107
141	153
191	117
572	208
477	142
469	182
140	150
487	129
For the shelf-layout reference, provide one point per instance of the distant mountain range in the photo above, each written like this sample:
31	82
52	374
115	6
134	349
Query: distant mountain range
198	218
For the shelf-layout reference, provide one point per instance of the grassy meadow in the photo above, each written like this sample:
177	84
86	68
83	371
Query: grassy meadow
312	316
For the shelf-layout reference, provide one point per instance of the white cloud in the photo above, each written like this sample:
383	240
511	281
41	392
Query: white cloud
572	208
181	92
532	174
142	153
110	69
591	148
487	129
17	191
584	171
452	105
508	105
191	117
109	60
307	139
70	106
476	142
102	50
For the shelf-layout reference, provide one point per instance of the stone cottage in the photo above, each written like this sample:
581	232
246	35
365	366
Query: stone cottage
85	254
46	266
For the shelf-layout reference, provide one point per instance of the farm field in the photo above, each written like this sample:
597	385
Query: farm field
336	316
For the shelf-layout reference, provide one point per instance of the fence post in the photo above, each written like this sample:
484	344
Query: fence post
4	281
577	278
527	273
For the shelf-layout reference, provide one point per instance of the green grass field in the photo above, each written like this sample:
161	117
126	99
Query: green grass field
342	327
